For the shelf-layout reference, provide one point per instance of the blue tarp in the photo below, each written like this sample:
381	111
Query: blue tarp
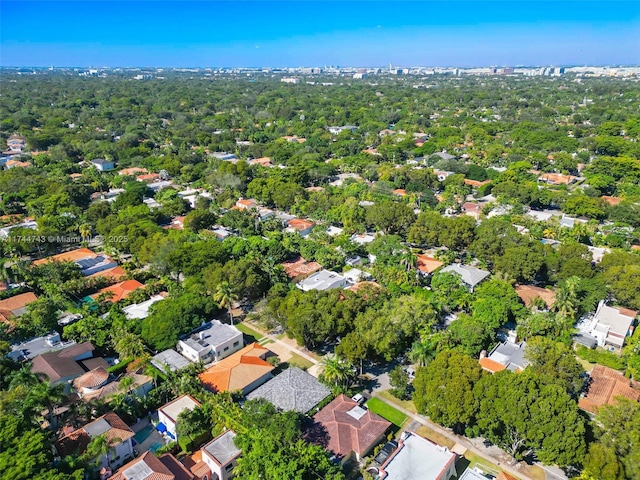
161	427
170	435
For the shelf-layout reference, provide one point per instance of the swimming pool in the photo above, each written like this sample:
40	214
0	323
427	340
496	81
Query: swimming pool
155	447
142	435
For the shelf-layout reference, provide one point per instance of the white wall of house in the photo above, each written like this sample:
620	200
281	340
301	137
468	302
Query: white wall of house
119	455
224	472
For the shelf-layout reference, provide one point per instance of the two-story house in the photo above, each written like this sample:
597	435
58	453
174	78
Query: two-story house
211	343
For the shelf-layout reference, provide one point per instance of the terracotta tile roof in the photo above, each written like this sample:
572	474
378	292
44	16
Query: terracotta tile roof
156	468
470	207
300	224
346	433
13	306
299	267
179	471
475	183
605	385
505	476
360	285
491	365
92	379
246	203
71	256
75	176
264	161
115	431
17	163
133	171
148	177
115	273
120	290
558	178
427	264
238	371
401	192
196	465
528	293
611	200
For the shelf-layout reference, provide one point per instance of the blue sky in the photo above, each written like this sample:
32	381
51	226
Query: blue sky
318	33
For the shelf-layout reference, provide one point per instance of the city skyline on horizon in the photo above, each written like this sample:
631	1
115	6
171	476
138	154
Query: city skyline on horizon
213	34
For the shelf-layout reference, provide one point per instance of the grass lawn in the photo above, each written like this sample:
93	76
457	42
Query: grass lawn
298	361
249	332
435	437
483	464
387	411
406	404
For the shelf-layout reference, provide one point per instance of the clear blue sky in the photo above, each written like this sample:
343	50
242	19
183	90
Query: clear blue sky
308	33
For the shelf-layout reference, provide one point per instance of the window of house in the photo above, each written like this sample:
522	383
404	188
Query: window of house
235	344
226	348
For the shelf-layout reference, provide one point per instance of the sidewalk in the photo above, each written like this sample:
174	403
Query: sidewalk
455	438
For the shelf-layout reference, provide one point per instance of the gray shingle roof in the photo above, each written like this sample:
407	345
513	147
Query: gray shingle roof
293	389
470	275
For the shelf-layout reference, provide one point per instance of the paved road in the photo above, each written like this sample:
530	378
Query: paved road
455	438
285	344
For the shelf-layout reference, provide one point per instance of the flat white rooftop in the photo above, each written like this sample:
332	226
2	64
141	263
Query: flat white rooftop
180	404
418	458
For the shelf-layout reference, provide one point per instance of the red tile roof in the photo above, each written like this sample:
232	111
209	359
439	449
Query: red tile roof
78	440
115	273
299	267
237	371
491	365
120	290
611	200
528	293
71	256
605	385
346	433
427	264
164	468
10	307
300	224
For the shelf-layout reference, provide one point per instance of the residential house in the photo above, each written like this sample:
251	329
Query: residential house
263	162
221	233
90	263
63	365
342	177
13	307
300	225
149	467
347	430
355	275
557	179
605	386
399	192
139	386
33	347
472	209
103	165
476	183
243	371
427	265
16	143
334	231
418	458
530	293
133	171
117	433
300	268
148	177
443	155
169	359
322	280
27	223
140	311
363	239
474	474
360	285
613	201
119	290
97	377
339	130
293	389
168	414
246	204
505	356
221	455
470	276
212	343
442	174
177	223
227	157
16	164
611	326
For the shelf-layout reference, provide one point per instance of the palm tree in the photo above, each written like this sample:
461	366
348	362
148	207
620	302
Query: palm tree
422	352
567	297
409	260
337	370
225	296
99	447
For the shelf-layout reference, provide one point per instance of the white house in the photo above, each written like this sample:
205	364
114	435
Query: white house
140	310
103	165
211	344
417	457
168	414
221	455
612	325
322	280
470	276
